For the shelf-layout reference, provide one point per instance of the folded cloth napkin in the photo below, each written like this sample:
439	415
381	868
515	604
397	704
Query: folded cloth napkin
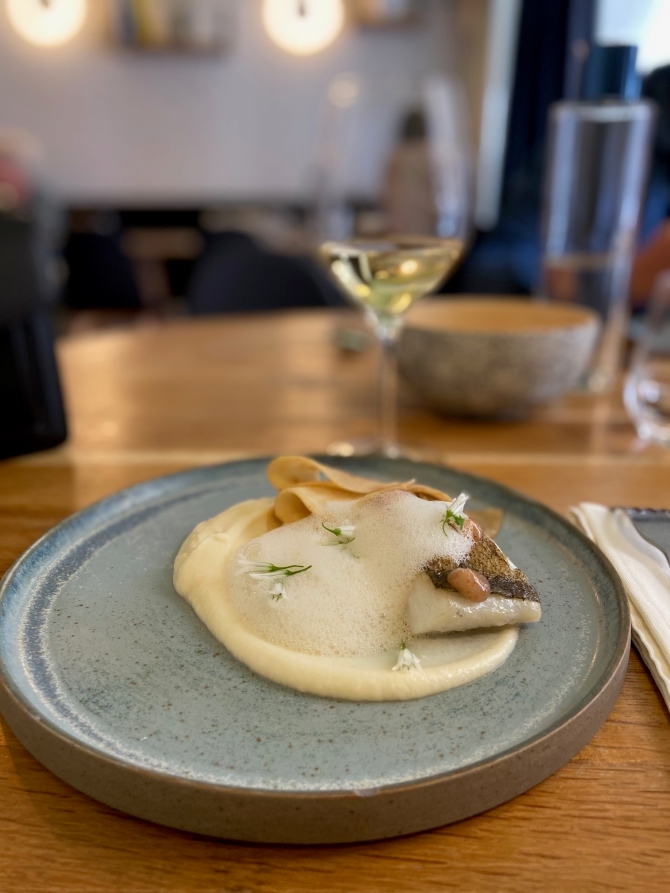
645	574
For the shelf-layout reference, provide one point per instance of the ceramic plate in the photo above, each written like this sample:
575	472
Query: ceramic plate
110	680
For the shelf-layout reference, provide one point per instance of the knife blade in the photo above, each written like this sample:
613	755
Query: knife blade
653	525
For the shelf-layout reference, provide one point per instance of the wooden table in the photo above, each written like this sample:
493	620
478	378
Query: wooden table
146	402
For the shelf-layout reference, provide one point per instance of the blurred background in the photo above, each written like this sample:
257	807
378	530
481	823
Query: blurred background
153	133
159	158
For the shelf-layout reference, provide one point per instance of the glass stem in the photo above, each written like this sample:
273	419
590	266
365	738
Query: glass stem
388	334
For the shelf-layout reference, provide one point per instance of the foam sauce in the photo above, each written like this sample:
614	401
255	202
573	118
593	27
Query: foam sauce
353	599
344	647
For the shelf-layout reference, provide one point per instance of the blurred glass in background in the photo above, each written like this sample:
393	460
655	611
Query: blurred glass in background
597	167
179	139
647	386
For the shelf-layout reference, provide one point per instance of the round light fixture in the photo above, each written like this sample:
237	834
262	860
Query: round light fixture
303	26
47	23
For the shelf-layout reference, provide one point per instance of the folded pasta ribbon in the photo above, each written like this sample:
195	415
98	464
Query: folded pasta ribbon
306	486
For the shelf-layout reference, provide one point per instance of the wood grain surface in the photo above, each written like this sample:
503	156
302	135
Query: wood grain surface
148	402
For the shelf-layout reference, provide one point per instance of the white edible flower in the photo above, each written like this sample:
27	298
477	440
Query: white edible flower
344	533
454	515
457	505
278	591
265	570
267	575
249	565
407	660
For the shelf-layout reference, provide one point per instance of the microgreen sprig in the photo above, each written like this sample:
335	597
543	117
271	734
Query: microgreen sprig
262	569
265	570
275	571
344	534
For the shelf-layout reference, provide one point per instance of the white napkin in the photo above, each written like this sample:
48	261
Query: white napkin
645	574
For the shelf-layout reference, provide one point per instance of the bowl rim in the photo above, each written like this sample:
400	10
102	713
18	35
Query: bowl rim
576	316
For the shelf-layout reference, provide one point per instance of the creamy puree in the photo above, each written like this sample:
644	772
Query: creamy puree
339	626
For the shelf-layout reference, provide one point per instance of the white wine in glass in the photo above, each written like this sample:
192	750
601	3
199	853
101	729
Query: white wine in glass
388	275
403	155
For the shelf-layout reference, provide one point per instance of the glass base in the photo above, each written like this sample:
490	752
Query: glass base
598	381
364	447
653	431
647	399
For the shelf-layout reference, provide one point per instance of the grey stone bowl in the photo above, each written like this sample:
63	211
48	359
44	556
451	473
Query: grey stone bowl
493	357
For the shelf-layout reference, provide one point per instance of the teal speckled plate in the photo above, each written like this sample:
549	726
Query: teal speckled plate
111	681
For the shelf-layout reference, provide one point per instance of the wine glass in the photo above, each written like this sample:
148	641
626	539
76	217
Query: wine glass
393	208
647	384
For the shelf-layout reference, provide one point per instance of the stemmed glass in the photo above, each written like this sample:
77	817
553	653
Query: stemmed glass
393	208
647	385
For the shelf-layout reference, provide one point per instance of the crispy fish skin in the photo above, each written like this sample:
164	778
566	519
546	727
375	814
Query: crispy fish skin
438	570
519	588
486	558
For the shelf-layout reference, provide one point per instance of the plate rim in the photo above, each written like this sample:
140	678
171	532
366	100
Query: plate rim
18	711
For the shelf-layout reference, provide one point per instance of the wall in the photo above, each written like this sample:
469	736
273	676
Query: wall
645	23
121	127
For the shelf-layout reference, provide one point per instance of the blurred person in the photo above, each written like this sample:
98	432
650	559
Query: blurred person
31	406
23	197
101	279
408	196
236	274
15	186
